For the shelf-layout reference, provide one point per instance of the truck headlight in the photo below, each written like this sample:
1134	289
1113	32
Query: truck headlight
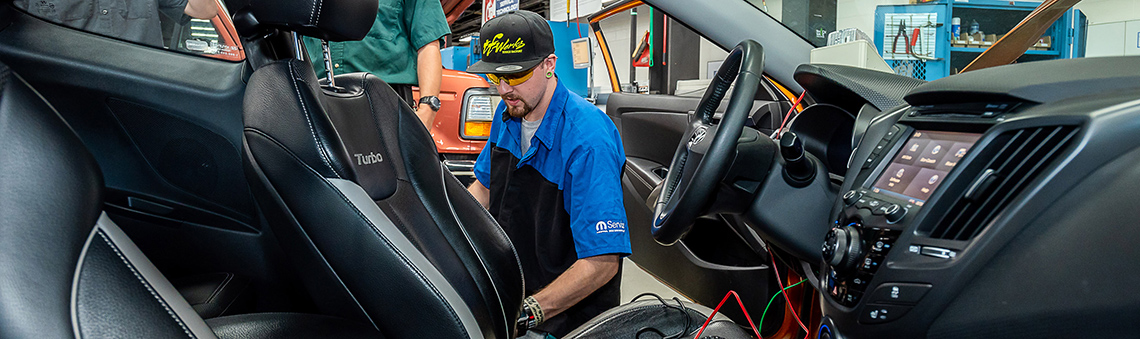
478	111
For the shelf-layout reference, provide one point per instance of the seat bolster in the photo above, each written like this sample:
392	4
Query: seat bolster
112	269
288	326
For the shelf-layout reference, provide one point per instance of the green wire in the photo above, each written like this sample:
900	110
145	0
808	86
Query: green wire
650	36
762	315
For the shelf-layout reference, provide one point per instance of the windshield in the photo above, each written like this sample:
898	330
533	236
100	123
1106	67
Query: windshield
926	40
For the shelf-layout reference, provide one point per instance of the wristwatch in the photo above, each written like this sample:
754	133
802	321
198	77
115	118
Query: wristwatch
432	101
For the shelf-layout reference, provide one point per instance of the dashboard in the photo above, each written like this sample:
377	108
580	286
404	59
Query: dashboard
996	203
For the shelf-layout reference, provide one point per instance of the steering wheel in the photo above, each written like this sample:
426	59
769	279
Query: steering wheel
704	155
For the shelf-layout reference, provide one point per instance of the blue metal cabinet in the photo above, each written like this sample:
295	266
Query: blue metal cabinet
994	17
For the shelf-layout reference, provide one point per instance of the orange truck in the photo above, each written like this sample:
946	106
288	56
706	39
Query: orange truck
463	122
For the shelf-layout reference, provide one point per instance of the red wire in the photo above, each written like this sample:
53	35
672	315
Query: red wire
786	116
786	299
738	302
578	20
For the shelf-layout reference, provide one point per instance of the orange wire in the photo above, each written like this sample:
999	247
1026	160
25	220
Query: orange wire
786	299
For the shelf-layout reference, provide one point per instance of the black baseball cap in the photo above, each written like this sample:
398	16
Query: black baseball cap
513	42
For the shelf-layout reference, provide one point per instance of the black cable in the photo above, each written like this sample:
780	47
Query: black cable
680	307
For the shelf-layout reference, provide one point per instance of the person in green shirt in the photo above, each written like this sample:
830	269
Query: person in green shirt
402	48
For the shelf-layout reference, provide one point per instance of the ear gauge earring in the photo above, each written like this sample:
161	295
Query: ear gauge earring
549	74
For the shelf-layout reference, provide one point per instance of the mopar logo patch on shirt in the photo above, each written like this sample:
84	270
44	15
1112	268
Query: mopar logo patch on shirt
609	226
503	46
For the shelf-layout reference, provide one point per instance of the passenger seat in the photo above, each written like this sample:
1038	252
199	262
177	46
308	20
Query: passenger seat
66	270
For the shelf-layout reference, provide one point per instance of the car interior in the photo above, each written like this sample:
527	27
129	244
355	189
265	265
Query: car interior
149	193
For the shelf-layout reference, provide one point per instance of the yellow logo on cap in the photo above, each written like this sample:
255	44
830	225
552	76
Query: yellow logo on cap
503	46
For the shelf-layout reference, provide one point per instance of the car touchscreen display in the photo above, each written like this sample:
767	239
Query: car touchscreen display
922	163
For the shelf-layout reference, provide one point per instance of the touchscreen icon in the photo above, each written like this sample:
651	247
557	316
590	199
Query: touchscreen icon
933	179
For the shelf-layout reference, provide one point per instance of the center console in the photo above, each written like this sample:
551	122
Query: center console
917	199
875	213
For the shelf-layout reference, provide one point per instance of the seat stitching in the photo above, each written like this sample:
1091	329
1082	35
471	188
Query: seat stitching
301	100
146	284
317	18
313	10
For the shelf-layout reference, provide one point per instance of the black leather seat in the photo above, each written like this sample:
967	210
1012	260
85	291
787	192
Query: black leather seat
66	270
354	190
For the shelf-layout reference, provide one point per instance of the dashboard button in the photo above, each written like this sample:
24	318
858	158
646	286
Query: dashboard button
871	263
891	133
938	252
867	163
861	281
872	203
899	293
851	197
852	298
877	314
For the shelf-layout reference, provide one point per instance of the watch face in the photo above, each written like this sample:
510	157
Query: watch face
431	101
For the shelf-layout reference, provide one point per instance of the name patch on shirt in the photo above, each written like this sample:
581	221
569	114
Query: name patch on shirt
609	226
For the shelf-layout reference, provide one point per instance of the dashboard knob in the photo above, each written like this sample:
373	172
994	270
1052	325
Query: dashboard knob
894	213
851	197
832	244
842	248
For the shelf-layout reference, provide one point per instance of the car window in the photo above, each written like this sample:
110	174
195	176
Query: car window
623	42
200	27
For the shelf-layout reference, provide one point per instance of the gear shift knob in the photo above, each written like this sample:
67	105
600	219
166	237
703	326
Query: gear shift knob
798	169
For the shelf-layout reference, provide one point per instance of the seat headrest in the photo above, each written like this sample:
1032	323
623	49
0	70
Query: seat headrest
332	20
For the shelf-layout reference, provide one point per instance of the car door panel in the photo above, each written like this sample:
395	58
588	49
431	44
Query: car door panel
165	128
714	257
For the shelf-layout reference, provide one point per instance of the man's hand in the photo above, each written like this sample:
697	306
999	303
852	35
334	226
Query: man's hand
426	115
201	9
582	278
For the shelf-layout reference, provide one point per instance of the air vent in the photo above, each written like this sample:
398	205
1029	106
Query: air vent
1017	158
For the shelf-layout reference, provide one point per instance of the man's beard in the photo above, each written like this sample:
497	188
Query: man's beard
518	112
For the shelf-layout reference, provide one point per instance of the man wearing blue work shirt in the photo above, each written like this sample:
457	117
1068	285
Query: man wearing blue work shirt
551	176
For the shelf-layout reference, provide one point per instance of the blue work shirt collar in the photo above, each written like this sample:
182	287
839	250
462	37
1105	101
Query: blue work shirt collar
552	120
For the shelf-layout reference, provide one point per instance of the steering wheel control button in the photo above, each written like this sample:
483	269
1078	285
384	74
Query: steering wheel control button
877	314
938	252
899	293
894	213
851	197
